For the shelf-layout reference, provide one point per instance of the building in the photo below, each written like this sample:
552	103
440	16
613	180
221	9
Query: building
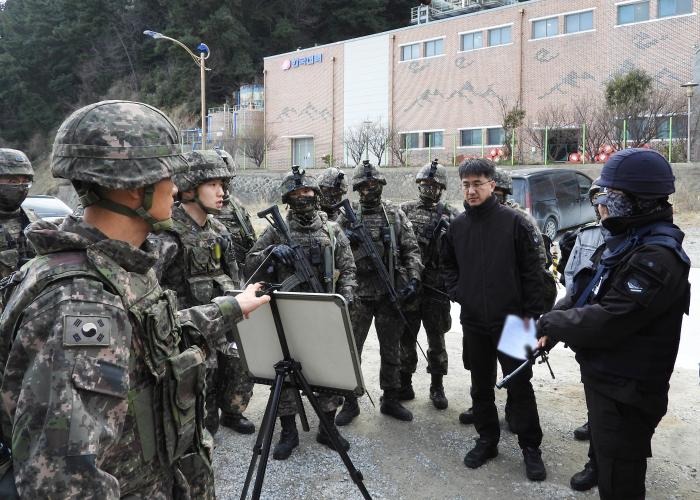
441	84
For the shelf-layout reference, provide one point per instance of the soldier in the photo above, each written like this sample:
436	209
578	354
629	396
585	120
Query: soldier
393	237
328	252
103	383
16	175
430	219
334	187
198	263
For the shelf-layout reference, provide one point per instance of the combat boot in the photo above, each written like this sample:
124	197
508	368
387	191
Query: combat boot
467	416
406	392
482	451
323	437
390	406
583	433
349	411
289	438
586	479
534	466
237	422
437	392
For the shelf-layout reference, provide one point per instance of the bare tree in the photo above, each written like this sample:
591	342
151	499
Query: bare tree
512	118
549	117
397	147
356	142
255	145
378	140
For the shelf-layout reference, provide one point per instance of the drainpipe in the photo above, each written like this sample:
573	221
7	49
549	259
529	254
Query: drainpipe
332	106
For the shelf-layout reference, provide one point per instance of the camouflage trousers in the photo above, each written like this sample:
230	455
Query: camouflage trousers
288	403
389	328
434	313
228	385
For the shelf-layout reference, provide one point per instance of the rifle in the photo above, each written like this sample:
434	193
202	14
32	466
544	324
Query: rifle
303	273
531	358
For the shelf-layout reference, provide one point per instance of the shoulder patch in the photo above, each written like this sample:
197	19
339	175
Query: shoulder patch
86	331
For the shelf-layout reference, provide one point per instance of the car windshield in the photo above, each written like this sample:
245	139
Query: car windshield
519	191
47	206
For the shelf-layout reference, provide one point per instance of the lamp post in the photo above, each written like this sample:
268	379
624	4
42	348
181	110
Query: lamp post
204	54
689	91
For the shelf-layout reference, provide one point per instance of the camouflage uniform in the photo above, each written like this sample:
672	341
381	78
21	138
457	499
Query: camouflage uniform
103	386
14	248
322	240
430	219
198	263
392	234
237	221
333	186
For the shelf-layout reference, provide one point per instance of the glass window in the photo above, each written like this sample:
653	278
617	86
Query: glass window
675	7
499	36
409	52
495	136
410	141
584	184
582	21
434	48
470	137
472	41
545	27
633	13
432	139
680	130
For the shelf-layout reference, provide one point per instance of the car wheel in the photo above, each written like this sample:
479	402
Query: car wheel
551	228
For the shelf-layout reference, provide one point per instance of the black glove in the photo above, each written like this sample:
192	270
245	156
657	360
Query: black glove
284	254
353	236
410	291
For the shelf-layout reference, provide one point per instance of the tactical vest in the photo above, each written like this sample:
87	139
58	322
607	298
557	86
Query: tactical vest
207	259
166	396
238	226
384	227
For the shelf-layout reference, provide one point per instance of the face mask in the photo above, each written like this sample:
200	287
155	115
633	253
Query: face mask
619	204
330	197
302	204
429	193
370	197
12	196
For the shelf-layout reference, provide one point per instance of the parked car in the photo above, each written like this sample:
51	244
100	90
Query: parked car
48	208
556	197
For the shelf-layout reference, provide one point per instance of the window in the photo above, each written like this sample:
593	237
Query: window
582	21
410	140
495	136
470	137
499	36
680	129
633	12
409	52
434	47
584	184
545	27
472	41
675	7
432	139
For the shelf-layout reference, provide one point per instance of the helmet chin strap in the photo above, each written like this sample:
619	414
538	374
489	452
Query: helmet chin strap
198	201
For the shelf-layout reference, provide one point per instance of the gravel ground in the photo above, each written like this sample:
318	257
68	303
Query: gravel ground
423	459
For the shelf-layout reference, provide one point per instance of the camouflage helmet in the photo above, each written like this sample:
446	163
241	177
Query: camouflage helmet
366	172
503	180
117	145
204	166
297	179
333	177
14	162
433	172
593	190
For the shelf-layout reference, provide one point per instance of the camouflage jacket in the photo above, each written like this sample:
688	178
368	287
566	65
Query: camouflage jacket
102	390
321	240
425	220
237	221
383	222
15	250
196	262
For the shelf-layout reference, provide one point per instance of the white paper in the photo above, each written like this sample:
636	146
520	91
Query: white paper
515	336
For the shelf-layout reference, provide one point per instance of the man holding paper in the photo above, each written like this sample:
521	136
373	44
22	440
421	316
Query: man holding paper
492	269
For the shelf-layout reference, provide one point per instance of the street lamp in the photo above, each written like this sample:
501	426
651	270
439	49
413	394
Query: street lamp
689	91
204	54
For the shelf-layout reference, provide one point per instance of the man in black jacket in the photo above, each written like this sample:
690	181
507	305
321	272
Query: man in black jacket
625	323
492	268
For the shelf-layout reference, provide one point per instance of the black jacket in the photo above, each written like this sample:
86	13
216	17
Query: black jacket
491	266
631	329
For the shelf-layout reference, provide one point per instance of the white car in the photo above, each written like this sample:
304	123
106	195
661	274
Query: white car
48	208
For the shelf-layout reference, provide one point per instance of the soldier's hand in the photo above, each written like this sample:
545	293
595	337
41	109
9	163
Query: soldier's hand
410	291
284	254
353	236
249	301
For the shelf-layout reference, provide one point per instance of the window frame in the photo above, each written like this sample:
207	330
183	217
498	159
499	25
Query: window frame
425	134
473	34
404	146
488	141
633	4
411	45
472	130
546	21
500	29
433	40
578	15
675	12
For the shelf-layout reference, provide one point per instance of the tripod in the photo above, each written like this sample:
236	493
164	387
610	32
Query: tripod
289	368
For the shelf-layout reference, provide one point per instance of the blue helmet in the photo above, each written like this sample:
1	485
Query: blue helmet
644	173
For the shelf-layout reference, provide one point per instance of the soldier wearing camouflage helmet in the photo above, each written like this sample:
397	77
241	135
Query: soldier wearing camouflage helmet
393	237
430	219
197	261
16	175
328	253
334	186
103	376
